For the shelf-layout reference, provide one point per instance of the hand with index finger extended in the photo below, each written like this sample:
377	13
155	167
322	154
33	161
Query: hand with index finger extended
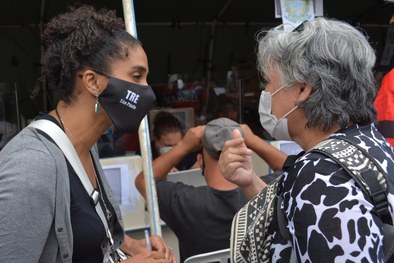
235	161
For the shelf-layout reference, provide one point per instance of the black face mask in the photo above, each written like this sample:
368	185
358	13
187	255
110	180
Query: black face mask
126	103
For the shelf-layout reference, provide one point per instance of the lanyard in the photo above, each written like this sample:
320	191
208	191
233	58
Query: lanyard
62	141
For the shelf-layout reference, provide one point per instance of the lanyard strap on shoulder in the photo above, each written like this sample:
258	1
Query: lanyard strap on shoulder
60	138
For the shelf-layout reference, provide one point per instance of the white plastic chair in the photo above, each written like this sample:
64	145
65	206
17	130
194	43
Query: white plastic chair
221	256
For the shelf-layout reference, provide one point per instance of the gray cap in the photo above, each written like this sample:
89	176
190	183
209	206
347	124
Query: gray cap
217	132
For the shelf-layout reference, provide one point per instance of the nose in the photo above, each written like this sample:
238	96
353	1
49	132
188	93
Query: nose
392	20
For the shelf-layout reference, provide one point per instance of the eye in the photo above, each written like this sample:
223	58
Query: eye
137	75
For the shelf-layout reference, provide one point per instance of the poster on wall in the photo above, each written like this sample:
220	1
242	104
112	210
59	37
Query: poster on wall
317	7
294	12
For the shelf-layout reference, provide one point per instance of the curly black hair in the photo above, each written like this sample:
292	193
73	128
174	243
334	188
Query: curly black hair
82	38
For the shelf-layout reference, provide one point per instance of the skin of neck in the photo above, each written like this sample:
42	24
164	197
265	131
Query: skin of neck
82	125
213	175
307	138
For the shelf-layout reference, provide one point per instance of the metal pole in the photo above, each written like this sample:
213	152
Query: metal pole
17	108
212	33
143	133
212	39
241	93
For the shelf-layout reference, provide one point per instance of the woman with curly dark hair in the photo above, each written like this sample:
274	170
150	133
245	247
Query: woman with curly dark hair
99	72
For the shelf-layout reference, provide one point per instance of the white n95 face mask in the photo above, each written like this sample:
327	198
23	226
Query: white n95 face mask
278	129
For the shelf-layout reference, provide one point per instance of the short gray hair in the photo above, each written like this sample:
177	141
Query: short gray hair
333	57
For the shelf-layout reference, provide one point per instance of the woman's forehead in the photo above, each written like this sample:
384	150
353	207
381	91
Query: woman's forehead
135	58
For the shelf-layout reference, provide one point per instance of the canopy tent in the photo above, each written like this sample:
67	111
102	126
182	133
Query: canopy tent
179	36
196	37
168	12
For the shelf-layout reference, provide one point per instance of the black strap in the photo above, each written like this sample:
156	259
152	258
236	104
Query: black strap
377	192
378	196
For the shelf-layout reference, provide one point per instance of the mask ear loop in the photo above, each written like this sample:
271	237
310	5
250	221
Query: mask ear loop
280	88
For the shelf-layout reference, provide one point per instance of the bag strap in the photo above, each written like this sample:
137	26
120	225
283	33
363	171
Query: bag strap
62	141
368	175
363	168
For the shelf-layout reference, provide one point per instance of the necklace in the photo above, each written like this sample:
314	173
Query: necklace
64	127
108	213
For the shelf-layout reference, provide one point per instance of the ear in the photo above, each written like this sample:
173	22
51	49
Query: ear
200	160
93	82
304	91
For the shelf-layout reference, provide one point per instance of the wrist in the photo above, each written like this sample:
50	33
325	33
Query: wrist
250	142
182	148
254	187
131	246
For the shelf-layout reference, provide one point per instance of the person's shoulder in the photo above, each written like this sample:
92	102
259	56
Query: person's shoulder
308	157
25	139
27	156
180	194
309	166
389	76
387	84
175	187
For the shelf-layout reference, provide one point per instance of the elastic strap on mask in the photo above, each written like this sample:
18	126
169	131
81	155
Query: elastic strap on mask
287	114
98	72
281	87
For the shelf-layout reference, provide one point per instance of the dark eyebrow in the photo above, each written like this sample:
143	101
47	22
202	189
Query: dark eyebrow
141	68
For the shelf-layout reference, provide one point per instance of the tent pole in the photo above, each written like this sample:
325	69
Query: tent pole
212	33
212	38
143	134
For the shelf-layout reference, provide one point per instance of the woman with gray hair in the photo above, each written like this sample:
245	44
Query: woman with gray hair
319	84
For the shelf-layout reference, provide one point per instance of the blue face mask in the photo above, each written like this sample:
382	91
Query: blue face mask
126	103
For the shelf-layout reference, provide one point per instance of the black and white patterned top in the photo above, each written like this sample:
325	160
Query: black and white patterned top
329	218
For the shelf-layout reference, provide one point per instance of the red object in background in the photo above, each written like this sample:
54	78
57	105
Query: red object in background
384	104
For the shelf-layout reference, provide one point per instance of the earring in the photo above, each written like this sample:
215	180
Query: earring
97	105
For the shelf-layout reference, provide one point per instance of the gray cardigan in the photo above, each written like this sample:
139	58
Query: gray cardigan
35	224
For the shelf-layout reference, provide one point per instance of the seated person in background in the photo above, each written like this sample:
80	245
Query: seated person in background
201	217
167	132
